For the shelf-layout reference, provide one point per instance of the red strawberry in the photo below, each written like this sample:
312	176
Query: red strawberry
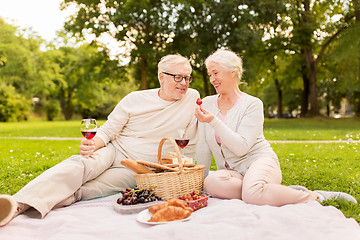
198	101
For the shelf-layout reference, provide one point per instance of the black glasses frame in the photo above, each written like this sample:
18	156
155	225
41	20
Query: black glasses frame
179	78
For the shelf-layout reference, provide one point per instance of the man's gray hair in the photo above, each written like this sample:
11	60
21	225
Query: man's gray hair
167	61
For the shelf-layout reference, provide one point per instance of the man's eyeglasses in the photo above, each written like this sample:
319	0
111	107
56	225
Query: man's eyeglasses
179	78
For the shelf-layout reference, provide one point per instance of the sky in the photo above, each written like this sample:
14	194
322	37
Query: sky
43	16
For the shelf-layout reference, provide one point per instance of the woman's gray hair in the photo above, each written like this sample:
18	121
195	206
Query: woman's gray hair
228	60
168	61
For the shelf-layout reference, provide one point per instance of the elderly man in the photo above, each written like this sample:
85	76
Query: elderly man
133	130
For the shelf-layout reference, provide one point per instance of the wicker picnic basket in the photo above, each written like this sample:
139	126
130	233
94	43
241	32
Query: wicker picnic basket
171	184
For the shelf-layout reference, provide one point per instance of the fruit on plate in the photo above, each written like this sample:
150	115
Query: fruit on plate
170	213
172	210
195	199
171	202
199	101
136	196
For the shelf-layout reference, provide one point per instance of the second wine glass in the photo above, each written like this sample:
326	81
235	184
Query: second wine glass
88	128
182	141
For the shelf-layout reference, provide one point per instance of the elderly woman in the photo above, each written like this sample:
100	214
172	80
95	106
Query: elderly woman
231	129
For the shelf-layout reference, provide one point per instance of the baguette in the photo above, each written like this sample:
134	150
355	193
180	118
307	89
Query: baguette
136	167
167	160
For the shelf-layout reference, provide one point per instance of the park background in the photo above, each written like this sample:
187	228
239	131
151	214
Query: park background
301	58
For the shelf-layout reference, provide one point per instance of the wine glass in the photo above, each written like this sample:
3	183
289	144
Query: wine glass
182	141
88	128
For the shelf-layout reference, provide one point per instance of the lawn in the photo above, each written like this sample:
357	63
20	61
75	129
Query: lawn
274	129
310	129
325	166
42	129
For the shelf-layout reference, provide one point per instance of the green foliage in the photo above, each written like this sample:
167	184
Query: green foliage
343	68
76	77
144	24
19	52
52	109
284	44
13	106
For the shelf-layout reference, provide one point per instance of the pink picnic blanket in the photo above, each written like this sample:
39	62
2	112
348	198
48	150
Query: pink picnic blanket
220	220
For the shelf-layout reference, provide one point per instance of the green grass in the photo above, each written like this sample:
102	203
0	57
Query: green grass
274	129
42	129
325	166
23	160
332	167
310	129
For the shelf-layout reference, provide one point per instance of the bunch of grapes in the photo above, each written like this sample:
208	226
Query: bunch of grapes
136	195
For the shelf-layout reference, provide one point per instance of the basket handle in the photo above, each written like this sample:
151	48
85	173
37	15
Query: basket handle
177	150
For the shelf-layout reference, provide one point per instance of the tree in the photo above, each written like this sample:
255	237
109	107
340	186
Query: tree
314	29
13	106
80	77
143	25
19	53
345	57
200	29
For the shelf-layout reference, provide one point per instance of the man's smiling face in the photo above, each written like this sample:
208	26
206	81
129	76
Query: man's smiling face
171	90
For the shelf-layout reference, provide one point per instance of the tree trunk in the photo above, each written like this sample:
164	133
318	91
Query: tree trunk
310	62
357	18
327	108
357	104
314	103
206	81
311	73
65	104
209	89
278	90
279	98
143	69
305	93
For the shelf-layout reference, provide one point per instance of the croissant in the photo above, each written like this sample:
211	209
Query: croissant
154	209
169	213
171	202
179	203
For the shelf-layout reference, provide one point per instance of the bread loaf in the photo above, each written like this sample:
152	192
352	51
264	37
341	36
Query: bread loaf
136	167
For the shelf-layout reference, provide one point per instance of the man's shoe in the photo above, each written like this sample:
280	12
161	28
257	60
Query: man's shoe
298	187
8	209
328	195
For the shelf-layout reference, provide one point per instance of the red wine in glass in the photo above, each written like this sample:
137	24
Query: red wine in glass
182	142
89	134
88	128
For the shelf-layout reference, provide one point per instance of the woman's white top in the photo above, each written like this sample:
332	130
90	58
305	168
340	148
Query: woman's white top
240	133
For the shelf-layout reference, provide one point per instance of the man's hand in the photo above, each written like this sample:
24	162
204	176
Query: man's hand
88	147
203	115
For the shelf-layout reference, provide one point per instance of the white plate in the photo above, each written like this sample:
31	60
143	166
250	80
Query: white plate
144	216
130	209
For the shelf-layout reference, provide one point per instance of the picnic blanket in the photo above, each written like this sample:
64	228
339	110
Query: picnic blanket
221	219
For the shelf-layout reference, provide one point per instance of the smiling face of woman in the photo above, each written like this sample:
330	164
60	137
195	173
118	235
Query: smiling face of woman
222	79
